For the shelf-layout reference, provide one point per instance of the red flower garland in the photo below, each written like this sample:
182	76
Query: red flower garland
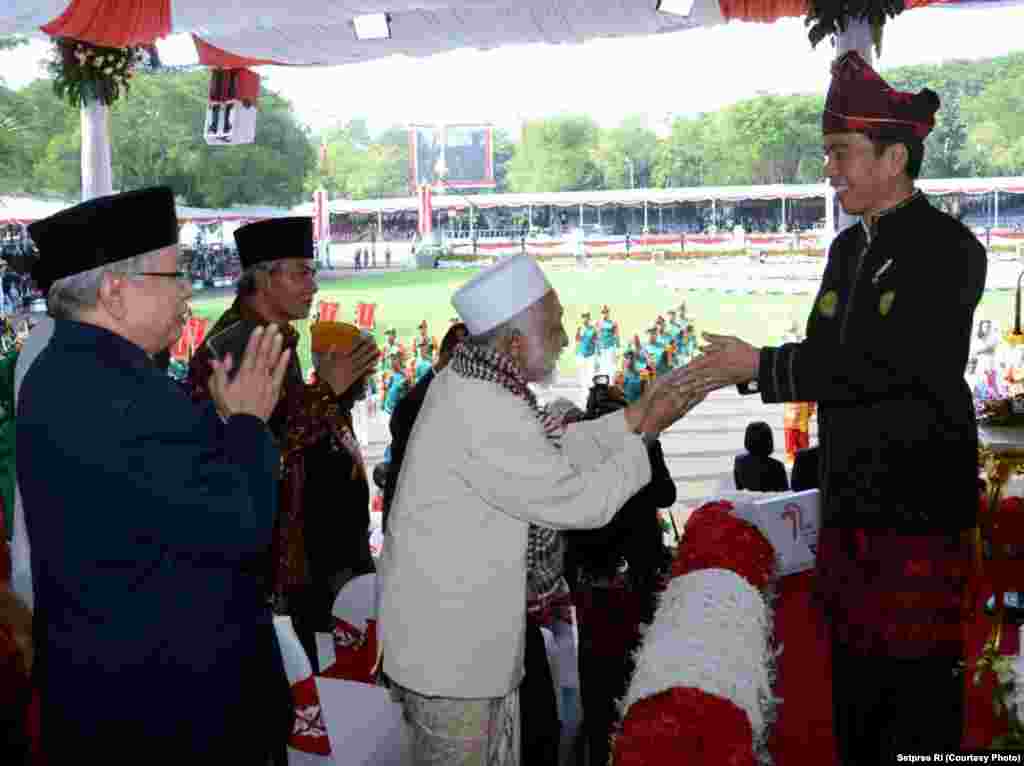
715	539
685	726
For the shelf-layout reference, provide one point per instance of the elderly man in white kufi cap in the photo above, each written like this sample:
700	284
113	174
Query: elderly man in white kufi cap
483	463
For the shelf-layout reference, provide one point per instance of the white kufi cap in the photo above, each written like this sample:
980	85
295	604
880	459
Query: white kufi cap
499	292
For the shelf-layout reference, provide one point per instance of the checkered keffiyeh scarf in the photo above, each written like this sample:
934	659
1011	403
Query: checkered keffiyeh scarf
545	548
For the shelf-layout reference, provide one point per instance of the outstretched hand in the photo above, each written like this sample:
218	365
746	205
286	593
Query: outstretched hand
256	387
725	361
666	400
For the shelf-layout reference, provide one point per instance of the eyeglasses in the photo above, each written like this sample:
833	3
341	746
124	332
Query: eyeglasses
181	275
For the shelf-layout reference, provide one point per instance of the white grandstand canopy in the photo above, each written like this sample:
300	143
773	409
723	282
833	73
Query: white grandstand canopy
638	197
18	209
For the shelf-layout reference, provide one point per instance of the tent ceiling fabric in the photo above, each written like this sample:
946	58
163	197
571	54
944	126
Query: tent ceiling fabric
319	32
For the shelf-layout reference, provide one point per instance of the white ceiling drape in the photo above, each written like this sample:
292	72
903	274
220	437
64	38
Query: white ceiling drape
315	32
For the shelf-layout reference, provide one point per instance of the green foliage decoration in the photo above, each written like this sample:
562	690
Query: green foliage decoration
829	17
84	73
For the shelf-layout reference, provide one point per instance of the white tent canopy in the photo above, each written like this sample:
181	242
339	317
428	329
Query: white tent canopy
637	197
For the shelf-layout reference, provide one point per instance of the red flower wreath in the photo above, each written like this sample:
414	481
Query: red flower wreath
685	726
715	539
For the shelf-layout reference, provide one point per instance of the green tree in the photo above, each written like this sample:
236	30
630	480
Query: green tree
270	171
360	166
776	136
15	158
54	171
626	155
680	158
504	150
556	154
156	136
996	137
949	152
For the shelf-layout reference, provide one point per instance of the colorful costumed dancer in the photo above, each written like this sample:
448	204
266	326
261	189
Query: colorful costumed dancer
677	331
655	355
398	385
425	363
607	343
796	420
586	353
630	379
424	340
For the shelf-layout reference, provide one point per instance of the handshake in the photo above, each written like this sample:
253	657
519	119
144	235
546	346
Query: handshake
726	361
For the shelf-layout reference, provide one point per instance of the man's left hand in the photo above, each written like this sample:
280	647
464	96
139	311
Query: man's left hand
726	361
341	369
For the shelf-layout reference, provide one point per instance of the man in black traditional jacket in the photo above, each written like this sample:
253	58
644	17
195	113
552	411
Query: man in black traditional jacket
886	348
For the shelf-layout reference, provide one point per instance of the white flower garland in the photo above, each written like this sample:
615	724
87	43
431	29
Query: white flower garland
711	632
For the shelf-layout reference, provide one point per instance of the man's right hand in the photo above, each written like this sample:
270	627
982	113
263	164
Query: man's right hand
256	387
665	401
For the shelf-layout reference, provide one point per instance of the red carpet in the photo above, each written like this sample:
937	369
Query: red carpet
803	732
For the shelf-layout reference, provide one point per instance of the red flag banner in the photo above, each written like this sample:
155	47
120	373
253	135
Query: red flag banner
328	311
426	210
365	319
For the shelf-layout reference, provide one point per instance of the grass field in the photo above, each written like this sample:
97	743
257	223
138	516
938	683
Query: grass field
405	298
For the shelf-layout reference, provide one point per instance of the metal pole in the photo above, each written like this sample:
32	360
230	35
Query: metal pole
645	216
581	215
380	225
995	210
783	213
598	215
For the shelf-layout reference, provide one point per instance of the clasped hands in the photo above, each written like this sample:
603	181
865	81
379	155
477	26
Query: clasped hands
725	361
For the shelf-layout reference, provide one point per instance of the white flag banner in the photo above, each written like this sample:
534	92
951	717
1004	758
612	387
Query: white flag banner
364	725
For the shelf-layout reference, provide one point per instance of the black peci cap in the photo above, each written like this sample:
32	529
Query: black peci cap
274	239
101	231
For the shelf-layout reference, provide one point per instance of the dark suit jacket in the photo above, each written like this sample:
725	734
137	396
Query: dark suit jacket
634	533
402	420
805	470
336	514
150	521
759	474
